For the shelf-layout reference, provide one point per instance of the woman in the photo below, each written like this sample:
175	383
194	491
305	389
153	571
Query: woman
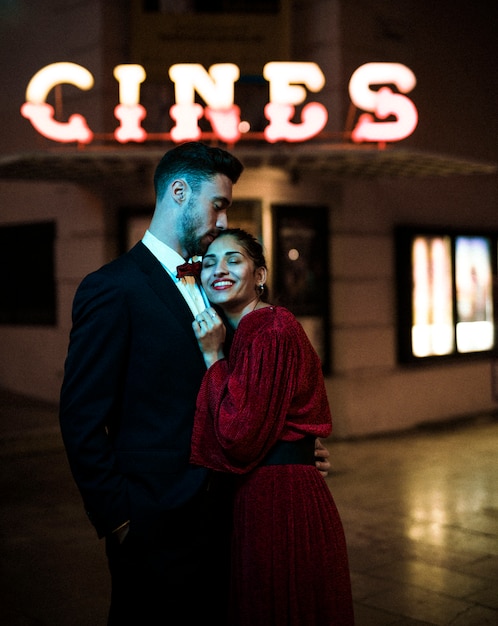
258	413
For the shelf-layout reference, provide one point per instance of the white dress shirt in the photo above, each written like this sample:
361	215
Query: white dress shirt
192	292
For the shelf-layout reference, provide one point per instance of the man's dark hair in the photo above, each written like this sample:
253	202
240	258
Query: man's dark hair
196	162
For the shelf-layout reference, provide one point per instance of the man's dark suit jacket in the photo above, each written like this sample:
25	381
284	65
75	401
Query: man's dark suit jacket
128	397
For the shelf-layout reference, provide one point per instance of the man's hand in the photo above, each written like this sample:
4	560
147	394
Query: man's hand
322	458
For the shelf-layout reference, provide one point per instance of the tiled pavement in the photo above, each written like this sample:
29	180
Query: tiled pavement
420	512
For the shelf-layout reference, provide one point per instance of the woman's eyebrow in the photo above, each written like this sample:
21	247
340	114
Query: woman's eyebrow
227	253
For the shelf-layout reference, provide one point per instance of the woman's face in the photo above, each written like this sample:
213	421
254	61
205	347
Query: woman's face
228	275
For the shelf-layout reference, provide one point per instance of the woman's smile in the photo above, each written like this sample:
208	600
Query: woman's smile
222	284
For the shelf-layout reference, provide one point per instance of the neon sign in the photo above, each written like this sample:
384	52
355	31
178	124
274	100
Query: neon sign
289	83
383	102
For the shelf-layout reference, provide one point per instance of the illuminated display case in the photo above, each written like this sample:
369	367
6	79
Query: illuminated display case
446	293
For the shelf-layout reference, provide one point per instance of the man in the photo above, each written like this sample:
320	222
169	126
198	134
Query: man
128	397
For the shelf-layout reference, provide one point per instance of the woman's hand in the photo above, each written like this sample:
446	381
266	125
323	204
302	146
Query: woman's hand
210	333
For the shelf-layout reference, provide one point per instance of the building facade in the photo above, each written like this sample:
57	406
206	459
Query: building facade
368	242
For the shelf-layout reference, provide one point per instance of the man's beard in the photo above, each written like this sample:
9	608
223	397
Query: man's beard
191	222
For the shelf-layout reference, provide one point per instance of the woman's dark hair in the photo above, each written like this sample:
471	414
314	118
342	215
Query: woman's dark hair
196	162
253	248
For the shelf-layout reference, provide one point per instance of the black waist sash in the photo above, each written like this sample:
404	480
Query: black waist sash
300	452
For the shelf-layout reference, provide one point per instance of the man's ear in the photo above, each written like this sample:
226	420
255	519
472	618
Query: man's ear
179	190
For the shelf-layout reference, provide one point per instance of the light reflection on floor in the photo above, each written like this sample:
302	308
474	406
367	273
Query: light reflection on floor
420	513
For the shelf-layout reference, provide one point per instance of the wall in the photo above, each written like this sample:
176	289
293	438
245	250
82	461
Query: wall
33	355
369	391
32	35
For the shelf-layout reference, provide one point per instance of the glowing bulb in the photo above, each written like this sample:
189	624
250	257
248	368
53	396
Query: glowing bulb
129	78
293	254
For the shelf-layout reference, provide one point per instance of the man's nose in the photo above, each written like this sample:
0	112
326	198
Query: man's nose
222	221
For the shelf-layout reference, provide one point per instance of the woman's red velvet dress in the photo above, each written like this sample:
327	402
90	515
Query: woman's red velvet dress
290	565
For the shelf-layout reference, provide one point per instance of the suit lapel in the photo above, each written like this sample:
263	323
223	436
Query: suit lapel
161	282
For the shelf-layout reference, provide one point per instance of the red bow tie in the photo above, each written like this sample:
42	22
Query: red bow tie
189	269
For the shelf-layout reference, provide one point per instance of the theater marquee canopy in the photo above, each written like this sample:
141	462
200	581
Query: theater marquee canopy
86	166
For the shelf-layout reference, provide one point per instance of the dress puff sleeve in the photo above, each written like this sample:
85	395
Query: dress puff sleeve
265	391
